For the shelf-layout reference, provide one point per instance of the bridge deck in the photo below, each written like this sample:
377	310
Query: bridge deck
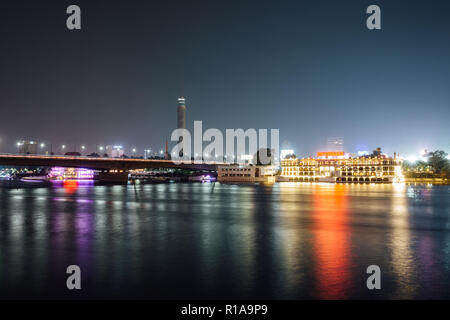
101	163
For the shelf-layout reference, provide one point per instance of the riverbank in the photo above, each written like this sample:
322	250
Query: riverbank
439	181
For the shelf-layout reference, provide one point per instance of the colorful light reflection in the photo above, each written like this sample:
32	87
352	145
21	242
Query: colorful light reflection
332	245
60	173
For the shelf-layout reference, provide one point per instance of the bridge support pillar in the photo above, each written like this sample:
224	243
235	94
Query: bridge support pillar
113	176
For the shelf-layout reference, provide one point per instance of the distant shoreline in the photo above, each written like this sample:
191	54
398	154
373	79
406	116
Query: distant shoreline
438	181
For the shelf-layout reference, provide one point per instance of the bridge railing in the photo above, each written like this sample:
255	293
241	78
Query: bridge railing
87	158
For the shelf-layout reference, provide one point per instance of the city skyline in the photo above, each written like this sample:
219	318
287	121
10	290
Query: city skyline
220	158
117	79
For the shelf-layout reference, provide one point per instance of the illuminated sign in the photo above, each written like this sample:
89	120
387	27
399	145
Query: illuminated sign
328	154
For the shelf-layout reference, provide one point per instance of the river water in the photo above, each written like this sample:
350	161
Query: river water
225	241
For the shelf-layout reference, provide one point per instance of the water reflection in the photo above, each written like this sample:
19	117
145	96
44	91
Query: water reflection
401	244
295	242
332	238
288	240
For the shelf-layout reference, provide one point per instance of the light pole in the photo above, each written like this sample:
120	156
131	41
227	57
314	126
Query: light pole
63	147
42	147
82	149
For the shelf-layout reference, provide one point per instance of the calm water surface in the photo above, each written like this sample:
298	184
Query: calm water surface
188	241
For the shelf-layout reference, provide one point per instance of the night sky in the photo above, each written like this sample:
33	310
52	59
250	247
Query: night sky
309	68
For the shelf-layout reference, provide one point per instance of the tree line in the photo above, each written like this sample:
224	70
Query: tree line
436	165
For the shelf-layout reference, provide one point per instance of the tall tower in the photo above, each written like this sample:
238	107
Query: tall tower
166	154
181	113
181	119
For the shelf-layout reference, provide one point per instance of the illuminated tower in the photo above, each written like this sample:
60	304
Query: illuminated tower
181	118
181	113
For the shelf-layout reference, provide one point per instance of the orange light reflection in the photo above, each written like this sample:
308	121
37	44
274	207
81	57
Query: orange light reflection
70	186
331	243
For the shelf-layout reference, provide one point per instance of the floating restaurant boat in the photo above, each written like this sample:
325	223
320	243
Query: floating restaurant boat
59	173
337	167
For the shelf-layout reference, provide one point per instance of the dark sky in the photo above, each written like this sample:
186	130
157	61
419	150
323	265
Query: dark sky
310	68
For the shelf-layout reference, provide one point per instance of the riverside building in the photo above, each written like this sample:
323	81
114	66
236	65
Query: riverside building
337	167
246	173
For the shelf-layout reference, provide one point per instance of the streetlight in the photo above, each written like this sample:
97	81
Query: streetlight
63	147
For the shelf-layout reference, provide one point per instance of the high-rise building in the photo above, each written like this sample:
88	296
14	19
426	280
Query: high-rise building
181	118
166	153
114	151
117	152
27	147
335	144
181	113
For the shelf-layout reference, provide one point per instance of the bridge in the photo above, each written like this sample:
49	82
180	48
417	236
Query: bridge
110	169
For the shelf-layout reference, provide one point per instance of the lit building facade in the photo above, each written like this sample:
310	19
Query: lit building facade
338	168
246	173
59	173
27	147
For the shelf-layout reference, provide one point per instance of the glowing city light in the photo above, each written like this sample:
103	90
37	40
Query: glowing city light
411	158
60	173
286	152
